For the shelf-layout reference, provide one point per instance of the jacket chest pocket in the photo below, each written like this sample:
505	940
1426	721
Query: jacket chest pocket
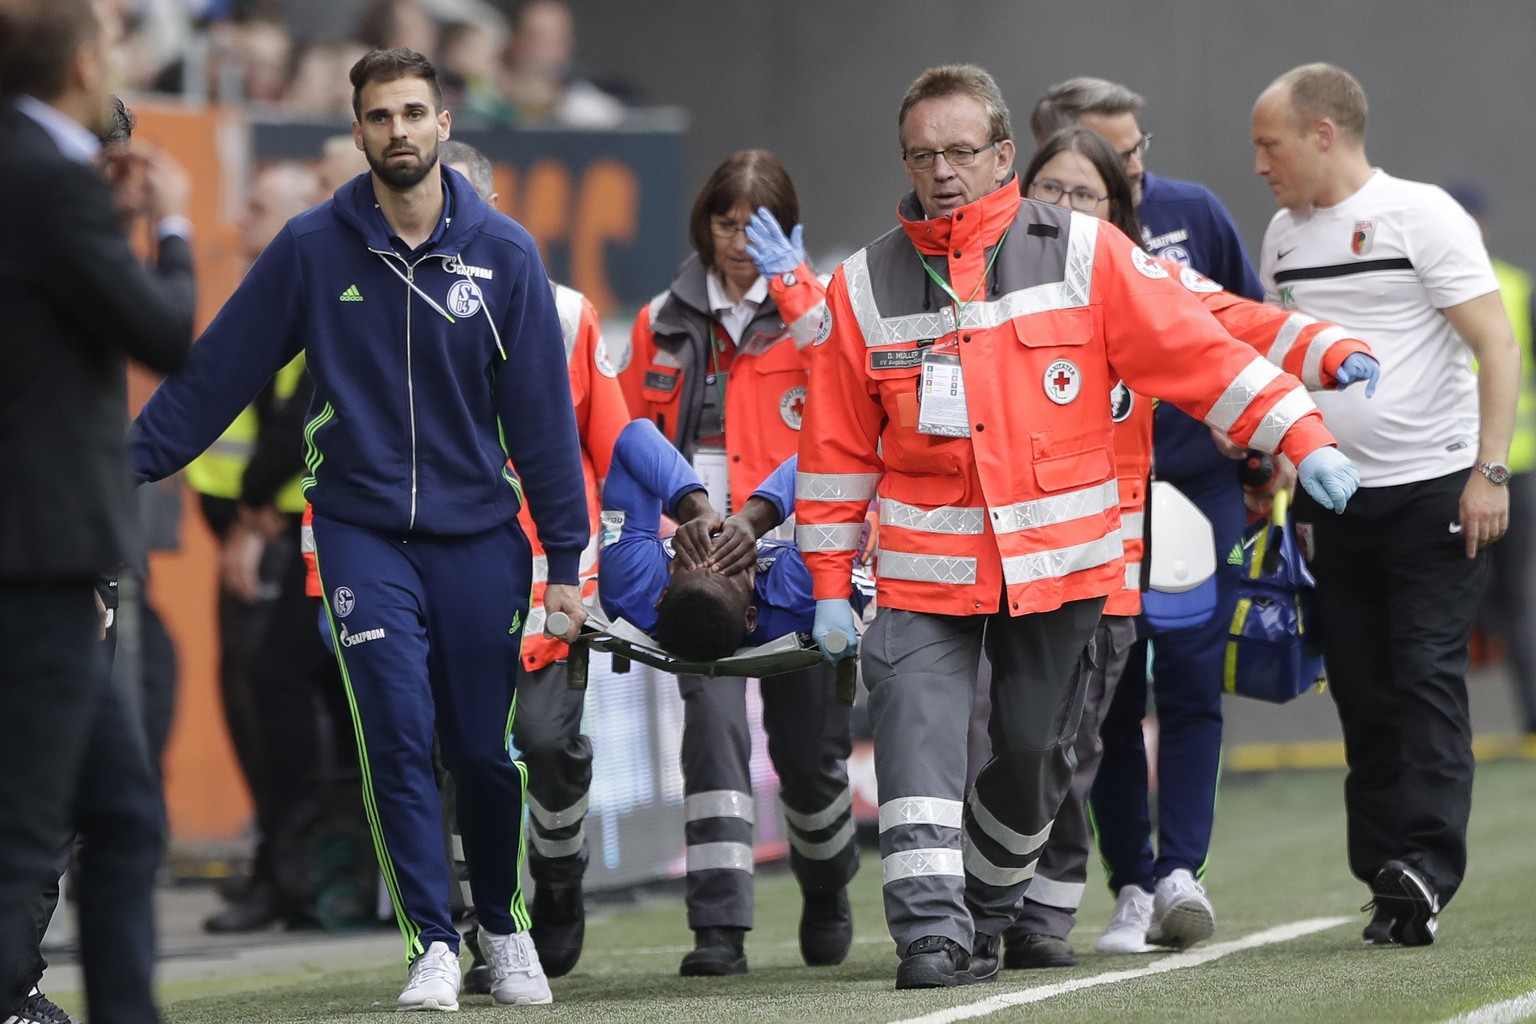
662	384
1058	328
1065	463
895	372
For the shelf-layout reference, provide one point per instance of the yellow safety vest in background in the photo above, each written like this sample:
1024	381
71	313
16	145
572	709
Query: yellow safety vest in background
1515	289
220	470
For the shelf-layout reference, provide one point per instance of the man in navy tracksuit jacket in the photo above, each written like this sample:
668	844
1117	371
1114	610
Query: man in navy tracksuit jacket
435	361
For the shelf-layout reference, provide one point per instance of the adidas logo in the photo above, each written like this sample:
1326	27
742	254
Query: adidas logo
1235	556
351	294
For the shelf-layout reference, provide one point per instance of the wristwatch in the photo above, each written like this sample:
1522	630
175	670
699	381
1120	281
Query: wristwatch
1496	472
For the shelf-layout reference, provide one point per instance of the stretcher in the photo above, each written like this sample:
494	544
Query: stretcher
626	643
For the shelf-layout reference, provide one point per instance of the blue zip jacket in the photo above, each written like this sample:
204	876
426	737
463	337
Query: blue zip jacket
431	369
648	476
1184	221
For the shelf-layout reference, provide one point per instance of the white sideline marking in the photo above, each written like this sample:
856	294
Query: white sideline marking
1176	962
1507	1012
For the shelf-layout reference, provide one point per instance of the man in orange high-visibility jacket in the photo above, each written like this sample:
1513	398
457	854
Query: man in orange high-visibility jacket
961	377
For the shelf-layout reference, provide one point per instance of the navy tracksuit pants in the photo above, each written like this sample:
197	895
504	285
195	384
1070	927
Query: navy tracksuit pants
1186	689
428	633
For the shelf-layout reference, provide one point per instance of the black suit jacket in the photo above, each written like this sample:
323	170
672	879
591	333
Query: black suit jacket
73	302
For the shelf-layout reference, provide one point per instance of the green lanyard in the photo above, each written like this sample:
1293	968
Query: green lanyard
716	343
959	305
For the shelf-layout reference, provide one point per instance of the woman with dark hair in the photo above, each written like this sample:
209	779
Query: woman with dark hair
1077	169
719	362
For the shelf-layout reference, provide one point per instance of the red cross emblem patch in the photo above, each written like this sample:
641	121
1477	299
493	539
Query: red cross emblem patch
1063	381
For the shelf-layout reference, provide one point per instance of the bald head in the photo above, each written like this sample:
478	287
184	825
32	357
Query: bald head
1317	92
279	193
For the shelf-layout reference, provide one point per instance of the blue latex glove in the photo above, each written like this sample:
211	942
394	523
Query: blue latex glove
835	616
770	250
1329	476
1357	367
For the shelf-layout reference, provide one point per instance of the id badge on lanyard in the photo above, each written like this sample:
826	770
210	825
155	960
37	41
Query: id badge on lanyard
941	407
714	471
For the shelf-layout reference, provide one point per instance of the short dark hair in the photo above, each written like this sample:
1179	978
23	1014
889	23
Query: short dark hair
1065	103
481	174
753	176
694	621
959	80
391	66
1327	91
123	124
1098	152
38	40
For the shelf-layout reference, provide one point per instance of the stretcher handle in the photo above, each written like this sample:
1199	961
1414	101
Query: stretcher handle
576	660
847	686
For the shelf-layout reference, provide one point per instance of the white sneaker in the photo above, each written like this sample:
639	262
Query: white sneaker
1181	913
433	982
1127	928
519	977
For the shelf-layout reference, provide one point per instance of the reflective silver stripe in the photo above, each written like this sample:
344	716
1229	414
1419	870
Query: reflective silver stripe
1070	292
803	329
822	818
827	849
1131	525
534	624
836	486
1237	396
1050	565
720	857
944	519
976	864
553	848
1133	576
1058	508
234	449
307	539
1062	895
586	567
1289	332
665	358
837	537
456	846
568	310
902	565
1296	404
550	820
719	803
920	810
1312	366
921	864
1016	843
656	304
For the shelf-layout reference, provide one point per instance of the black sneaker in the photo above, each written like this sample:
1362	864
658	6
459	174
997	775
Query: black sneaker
39	1009
1033	950
826	928
1379	931
934	961
716	952
559	927
984	951
1404	894
478	979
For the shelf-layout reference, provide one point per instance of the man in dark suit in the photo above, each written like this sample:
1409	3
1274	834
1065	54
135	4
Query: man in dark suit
75	302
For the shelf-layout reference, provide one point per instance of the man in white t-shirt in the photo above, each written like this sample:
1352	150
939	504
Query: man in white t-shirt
1400	572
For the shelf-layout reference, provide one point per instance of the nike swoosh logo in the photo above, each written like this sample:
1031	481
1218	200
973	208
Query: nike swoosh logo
1454	528
1283	253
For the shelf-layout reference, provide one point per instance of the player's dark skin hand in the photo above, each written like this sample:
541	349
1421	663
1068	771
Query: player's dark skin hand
735	547
697	526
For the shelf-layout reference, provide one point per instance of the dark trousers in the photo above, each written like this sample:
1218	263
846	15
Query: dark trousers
808	743
1396	600
78	763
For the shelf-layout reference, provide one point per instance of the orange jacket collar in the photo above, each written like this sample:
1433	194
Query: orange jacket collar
987	217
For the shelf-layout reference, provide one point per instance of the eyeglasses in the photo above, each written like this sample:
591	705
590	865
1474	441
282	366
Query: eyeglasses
1138	150
1083	200
955	156
725	229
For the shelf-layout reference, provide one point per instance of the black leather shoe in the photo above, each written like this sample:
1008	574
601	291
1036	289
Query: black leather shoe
934	961
1407	897
826	928
1379	931
38	1009
559	927
253	914
716	952
1033	950
477	980
984	951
